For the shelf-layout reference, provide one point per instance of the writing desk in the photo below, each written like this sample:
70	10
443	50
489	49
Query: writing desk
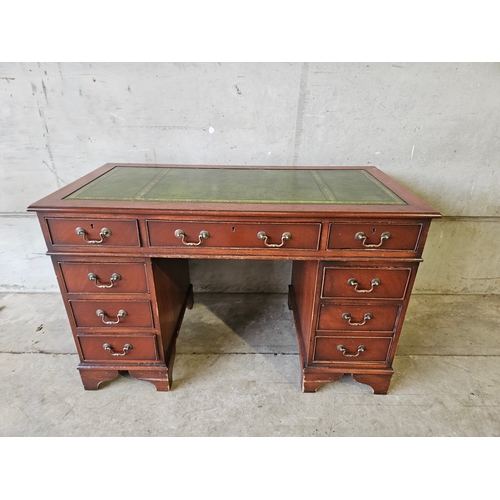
120	239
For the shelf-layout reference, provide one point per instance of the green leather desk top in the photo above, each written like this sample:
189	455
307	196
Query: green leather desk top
238	185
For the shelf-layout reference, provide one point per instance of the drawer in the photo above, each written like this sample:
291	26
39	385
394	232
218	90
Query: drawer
373	236
114	277
118	348
233	235
94	232
351	349
358	317
365	282
116	314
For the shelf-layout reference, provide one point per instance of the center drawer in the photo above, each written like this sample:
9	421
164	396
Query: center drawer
233	235
115	314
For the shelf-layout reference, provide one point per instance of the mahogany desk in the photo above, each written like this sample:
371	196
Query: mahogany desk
120	239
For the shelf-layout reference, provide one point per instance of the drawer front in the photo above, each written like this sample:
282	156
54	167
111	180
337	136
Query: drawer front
117	277
118	348
94	232
357	317
233	235
365	282
366	236
351	349
117	314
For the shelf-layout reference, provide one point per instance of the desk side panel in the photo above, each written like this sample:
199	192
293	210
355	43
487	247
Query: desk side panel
304	287
173	294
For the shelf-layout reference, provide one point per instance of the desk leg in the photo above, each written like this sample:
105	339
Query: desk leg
92	377
311	383
161	378
379	382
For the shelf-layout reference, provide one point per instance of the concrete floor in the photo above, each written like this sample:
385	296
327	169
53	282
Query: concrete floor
237	374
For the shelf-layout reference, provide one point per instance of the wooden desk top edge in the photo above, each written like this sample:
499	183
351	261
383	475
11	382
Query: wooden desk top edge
415	206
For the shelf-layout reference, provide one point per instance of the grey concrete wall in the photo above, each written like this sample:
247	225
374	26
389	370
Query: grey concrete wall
433	126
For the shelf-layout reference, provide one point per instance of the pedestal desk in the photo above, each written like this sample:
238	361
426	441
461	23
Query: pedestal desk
121	237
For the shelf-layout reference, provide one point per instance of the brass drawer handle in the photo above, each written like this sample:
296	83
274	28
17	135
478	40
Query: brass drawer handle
343	350
126	348
362	237
261	235
353	282
114	278
348	318
105	233
121	314
179	233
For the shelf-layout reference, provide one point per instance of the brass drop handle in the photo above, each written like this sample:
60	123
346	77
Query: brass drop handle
343	350
362	237
126	349
353	282
204	235
114	278
348	318
121	314
261	235
105	233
